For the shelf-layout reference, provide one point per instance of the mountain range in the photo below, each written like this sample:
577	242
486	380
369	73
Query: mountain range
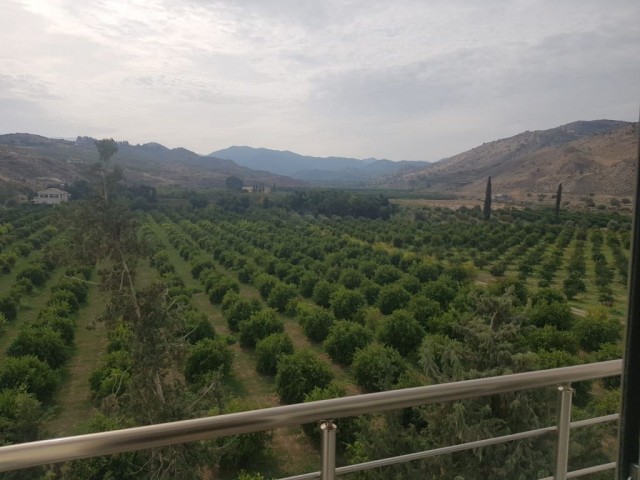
586	156
325	170
32	161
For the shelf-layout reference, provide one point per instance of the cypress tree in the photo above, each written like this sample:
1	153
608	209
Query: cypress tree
486	211
558	200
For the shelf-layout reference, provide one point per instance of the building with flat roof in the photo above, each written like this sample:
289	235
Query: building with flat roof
51	196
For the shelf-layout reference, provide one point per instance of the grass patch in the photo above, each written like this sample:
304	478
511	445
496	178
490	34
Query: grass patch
75	405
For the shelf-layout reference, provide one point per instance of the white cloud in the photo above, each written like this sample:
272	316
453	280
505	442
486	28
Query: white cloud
404	79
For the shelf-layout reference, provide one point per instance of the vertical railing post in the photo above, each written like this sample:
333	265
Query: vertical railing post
328	467
563	425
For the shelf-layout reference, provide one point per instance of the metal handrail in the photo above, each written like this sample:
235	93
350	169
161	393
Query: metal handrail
461	447
44	452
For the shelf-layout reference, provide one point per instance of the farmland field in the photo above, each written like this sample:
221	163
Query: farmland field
252	302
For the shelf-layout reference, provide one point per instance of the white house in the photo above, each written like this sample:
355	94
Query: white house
51	196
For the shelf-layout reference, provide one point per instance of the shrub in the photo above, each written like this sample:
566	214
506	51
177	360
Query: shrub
20	414
315	322
596	329
307	284
391	298
259	325
7	261
386	274
344	339
550	338
424	309
236	309
546	296
119	337
36	376
347	426
9	308
196	326
246	449
280	296
61	309
345	303
322	293
37	273
264	283
299	374
80	271
219	289
402	332
556	314
64	296
112	377
377	368
442	291
21	288
516	287
43	343
77	286
269	350
65	326
201	265
208	355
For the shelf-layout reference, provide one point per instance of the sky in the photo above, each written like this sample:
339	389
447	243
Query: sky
401	79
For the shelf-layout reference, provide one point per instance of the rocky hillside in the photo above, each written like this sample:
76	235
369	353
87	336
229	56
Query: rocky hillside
31	162
596	157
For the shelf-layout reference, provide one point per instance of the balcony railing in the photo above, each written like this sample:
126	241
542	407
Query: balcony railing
44	452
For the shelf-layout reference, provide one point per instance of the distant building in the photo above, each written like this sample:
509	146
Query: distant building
503	197
257	188
51	196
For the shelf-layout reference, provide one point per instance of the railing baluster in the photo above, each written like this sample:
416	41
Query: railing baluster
328	467
564	421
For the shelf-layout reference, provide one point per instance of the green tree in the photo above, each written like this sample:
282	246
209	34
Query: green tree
558	200
234	183
344	339
36	376
280	296
259	325
557	314
8	308
246	450
206	356
236	309
104	230
315	322
43	343
219	289
345	303
299	374
377	367
486	209
269	350
20	414
391	298
322	293
401	331
596	329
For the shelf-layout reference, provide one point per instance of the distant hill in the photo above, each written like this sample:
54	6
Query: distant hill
587	157
325	170
33	161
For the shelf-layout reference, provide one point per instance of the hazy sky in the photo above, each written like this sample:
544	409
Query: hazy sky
397	79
